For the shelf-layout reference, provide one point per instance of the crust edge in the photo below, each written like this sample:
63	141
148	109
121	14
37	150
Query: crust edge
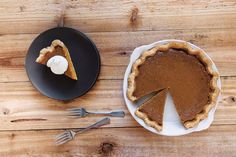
51	48
149	122
202	57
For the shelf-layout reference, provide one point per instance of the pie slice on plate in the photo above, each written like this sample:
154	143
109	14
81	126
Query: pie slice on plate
185	72
152	110
58	48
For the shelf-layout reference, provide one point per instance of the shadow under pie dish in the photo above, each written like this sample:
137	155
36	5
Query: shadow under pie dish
184	72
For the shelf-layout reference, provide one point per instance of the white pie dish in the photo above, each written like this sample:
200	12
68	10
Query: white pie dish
171	123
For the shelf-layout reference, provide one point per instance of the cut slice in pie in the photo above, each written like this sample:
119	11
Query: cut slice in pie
152	111
58	48
186	73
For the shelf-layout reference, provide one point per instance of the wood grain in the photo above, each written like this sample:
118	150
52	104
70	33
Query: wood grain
30	120
24	108
116	47
121	142
99	16
149	15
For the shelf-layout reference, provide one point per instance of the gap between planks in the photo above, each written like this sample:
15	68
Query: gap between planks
104	127
128	31
232	76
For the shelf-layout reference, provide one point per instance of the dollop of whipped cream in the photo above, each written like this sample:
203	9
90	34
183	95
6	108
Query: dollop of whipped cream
58	64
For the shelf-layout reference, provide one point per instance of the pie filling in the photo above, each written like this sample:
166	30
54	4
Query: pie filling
154	108
57	51
57	48
183	74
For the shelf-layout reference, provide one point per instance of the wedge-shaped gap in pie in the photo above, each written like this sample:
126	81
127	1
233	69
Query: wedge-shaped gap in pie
187	73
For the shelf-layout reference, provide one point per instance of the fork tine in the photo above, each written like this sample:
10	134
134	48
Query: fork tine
62	141
74	109
59	135
63	138
66	132
62	135
74	114
78	112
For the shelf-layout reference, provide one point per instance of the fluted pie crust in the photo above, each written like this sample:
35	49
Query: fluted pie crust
148	121
163	48
158	102
57	48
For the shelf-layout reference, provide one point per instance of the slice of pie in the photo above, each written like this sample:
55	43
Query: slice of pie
57	48
152	111
185	72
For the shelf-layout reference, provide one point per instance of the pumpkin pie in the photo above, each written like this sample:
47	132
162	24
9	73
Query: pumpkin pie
184	72
152	111
57	48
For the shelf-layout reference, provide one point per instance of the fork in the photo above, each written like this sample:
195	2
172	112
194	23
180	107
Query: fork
81	112
69	135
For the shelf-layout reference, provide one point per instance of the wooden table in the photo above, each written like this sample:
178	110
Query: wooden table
29	120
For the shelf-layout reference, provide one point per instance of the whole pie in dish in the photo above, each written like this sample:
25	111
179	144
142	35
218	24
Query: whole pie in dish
58	48
184	72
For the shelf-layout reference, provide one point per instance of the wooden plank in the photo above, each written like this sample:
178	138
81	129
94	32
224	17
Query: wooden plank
99	16
107	72
115	49
22	107
217	141
29	16
108	42
149	15
117	27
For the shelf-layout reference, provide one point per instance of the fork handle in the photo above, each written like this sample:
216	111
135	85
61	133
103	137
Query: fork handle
117	114
102	122
113	114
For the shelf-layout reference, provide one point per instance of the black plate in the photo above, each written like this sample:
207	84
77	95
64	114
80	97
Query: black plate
84	55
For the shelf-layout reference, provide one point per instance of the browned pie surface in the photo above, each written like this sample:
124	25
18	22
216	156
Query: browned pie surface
57	48
57	51
154	108
184	75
